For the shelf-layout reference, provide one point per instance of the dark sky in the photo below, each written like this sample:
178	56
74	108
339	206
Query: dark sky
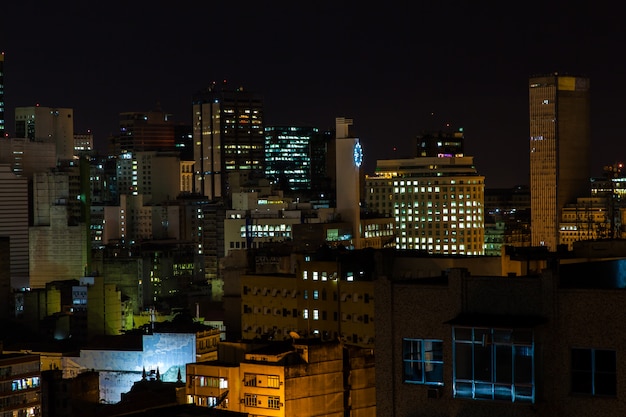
396	68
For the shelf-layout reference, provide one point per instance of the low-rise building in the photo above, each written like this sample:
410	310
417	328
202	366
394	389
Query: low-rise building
20	385
543	344
300	376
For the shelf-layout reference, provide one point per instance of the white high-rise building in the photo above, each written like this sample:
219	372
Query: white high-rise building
437	203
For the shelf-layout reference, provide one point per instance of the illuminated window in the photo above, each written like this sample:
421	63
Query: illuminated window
273	381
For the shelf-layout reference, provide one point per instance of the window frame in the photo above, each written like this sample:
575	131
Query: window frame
417	356
493	364
597	374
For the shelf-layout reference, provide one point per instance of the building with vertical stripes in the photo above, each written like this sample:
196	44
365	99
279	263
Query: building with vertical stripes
560	144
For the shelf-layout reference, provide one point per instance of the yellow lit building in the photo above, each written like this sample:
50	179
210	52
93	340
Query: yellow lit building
327	297
300	377
437	203
560	149
587	219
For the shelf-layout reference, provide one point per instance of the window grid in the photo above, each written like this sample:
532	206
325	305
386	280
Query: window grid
594	372
493	364
422	361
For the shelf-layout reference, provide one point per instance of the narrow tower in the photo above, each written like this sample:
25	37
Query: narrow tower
560	141
349	159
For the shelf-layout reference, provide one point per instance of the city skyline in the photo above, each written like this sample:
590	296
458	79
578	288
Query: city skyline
395	72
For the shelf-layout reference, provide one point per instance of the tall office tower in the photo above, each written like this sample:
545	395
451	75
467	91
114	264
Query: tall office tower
145	131
288	156
49	125
228	139
441	143
14	223
2	124
438	203
560	142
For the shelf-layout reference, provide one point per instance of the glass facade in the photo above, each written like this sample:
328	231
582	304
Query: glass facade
288	154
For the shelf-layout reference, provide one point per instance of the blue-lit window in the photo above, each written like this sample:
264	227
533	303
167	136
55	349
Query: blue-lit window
493	364
594	372
422	361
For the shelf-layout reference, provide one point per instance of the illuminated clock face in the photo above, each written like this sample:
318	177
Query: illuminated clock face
358	154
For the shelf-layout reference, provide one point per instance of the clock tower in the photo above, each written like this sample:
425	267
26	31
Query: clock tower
349	158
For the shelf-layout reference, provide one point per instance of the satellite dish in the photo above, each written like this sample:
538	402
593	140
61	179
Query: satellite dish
294	335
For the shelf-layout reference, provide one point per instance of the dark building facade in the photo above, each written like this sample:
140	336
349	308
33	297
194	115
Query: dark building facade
69	397
440	143
542	345
148	131
2	123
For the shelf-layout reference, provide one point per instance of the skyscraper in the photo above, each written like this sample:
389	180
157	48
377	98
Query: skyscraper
2	128
560	141
296	157
228	138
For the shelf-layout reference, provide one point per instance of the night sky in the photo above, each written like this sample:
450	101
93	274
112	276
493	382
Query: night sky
396	68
